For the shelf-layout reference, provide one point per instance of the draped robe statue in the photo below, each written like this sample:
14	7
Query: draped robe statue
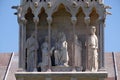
45	55
92	50
31	46
78	52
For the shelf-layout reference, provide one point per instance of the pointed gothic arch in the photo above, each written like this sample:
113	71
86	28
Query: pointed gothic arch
62	23
30	25
42	24
93	17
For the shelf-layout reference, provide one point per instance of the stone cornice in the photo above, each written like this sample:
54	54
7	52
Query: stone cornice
71	6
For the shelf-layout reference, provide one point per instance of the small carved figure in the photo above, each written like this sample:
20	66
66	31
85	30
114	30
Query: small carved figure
92	50
61	53
31	46
78	51
45	55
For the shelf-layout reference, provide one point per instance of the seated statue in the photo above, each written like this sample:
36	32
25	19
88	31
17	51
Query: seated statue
78	52
31	46
92	50
60	52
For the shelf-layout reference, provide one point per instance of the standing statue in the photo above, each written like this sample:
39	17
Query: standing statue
78	51
61	53
92	50
45	55
31	46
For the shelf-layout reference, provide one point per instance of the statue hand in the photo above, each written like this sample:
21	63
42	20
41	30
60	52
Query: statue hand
51	51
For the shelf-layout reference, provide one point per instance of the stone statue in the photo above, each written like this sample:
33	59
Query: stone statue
31	46
92	50
45	55
61	53
78	51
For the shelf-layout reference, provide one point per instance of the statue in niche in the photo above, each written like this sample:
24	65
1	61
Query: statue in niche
92	50
45	55
78	52
60	52
31	46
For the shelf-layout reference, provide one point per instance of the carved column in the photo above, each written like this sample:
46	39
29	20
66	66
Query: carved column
36	20
24	41
87	22
101	43
49	20
21	22
20	44
22	36
74	20
103	63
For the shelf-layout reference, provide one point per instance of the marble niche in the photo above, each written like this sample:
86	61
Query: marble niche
63	49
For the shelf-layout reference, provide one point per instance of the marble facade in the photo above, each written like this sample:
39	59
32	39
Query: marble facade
61	21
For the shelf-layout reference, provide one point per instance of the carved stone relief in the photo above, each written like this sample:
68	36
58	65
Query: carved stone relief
59	16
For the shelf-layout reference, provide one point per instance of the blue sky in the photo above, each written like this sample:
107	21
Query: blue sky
9	29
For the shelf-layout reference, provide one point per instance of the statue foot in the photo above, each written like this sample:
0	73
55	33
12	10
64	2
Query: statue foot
66	65
73	70
49	70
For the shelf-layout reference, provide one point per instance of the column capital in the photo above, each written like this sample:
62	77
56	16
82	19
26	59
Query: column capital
73	19
87	20
101	20
36	19
22	20
49	19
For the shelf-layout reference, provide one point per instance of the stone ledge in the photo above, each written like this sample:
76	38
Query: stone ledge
41	75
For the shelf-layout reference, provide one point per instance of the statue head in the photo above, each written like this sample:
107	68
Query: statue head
92	30
62	37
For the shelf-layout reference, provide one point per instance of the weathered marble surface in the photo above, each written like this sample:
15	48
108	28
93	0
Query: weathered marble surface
68	16
61	52
45	55
61	75
78	52
31	46
92	50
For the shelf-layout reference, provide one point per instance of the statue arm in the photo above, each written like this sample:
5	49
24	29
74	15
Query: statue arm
87	43
96	42
51	51
65	44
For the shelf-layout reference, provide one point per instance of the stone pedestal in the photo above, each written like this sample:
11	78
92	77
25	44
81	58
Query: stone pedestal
61	75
